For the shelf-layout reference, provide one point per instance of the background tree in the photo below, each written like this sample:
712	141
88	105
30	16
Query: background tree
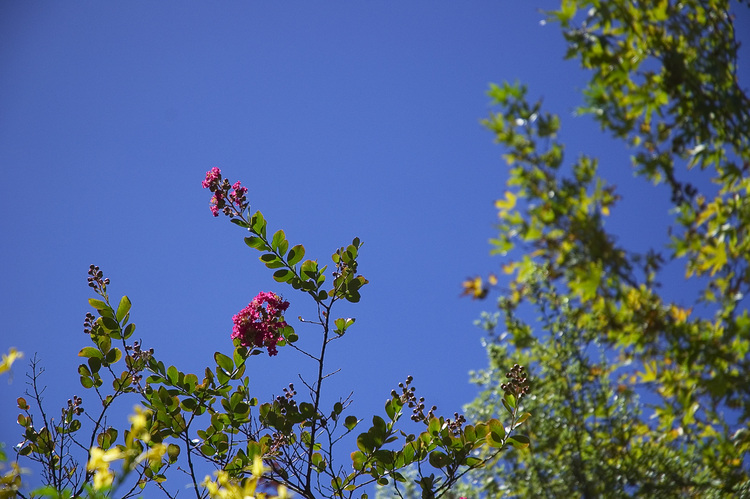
634	393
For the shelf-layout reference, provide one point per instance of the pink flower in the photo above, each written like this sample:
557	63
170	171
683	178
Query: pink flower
214	208
213	176
232	201
217	203
256	326
238	195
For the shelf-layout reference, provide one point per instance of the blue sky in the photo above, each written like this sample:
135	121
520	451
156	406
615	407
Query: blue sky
344	120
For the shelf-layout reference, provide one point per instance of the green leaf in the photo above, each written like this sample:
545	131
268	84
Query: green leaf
470	434
365	443
258	224
240	222
109	324
496	435
104	343
271	261
113	356
283	246
434	426
438	459
268	258
358	460
239	355
519	441
409	452
350	422
104	439
283	275
173	451
257	243
90	352
128	332
172	374
353	296
95	363
390	409
567	11
309	269
123	309
278	238
222	376
295	255
98	304
379	427
521	419
290	336
224	362
351	252
507	406
189	404
307	410
317	460
342	325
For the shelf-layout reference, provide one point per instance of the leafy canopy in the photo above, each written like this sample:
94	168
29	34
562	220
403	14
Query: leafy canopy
634	393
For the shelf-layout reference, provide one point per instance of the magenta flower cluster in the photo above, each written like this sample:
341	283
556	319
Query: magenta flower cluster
213	177
259	326
231	200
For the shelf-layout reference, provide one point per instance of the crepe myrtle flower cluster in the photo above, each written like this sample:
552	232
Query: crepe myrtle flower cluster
75	406
286	404
409	398
518	383
417	405
231	199
96	279
287	401
259	324
89	323
138	356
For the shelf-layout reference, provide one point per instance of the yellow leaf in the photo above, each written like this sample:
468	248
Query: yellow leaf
649	373
679	315
509	268
473	287
504	205
9	359
677	432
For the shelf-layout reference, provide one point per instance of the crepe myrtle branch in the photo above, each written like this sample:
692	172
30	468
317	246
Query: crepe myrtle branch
295	441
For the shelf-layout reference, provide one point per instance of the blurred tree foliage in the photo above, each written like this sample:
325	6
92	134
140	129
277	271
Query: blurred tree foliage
633	394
